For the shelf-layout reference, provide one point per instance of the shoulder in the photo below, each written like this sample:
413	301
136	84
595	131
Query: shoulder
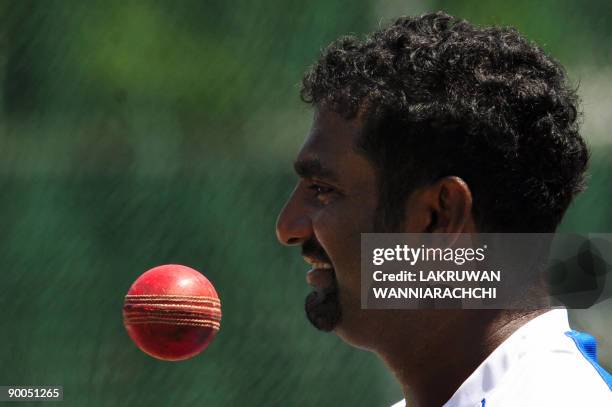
565	374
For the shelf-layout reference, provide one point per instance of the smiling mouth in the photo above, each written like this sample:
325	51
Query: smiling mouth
322	306
321	276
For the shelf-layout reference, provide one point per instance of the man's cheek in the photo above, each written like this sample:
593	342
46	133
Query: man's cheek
349	295
347	265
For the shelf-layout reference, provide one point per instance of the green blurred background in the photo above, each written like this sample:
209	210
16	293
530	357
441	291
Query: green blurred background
134	134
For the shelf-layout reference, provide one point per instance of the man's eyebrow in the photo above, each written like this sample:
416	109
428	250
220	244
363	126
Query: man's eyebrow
311	168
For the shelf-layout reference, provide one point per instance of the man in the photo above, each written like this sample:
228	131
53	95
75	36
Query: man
434	125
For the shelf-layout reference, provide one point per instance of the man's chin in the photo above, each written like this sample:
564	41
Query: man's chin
323	309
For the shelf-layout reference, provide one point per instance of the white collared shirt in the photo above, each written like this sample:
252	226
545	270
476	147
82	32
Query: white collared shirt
543	363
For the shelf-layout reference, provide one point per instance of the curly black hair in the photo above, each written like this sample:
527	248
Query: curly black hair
440	96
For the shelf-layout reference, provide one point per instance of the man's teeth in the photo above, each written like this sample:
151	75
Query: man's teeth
321	266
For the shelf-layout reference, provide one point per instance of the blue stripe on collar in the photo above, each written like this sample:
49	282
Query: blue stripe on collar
588	347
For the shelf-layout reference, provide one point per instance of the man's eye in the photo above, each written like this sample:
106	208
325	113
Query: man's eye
320	189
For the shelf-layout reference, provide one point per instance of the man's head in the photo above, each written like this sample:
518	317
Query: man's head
428	125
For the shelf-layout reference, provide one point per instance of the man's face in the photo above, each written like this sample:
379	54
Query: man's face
333	203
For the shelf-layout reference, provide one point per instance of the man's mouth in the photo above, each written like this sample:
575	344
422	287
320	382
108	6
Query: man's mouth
321	275
322	307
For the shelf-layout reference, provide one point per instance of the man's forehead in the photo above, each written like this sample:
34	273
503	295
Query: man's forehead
331	151
330	137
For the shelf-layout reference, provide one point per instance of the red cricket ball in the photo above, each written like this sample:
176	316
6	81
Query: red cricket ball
172	312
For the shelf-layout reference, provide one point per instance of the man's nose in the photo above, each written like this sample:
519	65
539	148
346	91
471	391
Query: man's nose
293	225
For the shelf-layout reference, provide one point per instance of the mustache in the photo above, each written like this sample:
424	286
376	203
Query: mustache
312	248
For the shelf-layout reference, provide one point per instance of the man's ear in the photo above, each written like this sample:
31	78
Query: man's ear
442	207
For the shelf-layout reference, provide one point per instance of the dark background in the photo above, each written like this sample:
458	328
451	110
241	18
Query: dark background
134	134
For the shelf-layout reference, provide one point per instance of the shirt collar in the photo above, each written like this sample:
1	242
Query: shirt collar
540	332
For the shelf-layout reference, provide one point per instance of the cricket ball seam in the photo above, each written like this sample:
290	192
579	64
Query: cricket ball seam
170	306
171	297
216	317
203	323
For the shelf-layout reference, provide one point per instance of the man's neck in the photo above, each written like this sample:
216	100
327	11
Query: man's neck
432	363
